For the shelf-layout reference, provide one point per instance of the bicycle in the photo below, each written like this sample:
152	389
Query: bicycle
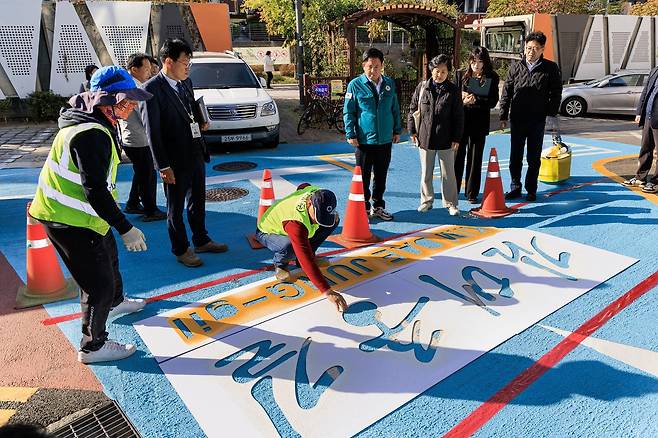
321	109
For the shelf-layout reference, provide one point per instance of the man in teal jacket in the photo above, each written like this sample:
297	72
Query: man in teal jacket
372	125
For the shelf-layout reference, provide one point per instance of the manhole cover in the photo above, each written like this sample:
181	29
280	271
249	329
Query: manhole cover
234	166
225	194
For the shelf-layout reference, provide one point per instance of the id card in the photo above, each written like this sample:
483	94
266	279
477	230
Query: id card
196	131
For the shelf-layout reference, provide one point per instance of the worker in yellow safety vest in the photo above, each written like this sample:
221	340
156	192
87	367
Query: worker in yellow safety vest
76	202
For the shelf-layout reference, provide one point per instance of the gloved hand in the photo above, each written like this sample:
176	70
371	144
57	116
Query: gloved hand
134	240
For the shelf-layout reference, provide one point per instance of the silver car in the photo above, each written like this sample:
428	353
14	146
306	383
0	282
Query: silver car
612	94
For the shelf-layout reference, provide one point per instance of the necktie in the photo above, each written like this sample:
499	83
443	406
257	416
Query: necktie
373	88
182	95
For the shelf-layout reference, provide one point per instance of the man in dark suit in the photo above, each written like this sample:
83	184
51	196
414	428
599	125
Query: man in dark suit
531	99
647	119
179	151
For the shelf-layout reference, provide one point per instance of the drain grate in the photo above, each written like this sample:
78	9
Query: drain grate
225	194
107	421
234	166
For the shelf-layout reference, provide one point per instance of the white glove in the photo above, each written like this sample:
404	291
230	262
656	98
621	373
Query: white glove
134	240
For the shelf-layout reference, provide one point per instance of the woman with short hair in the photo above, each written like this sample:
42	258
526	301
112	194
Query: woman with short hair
438	134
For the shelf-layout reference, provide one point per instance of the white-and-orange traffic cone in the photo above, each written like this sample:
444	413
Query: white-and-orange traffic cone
493	201
266	200
356	228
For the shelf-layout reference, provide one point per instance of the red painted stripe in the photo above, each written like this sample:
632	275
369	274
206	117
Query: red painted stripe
485	412
72	316
557	192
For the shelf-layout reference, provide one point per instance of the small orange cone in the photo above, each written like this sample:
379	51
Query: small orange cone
356	229
265	202
45	281
493	201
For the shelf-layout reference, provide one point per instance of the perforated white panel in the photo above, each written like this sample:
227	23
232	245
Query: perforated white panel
620	29
19	43
123	26
640	58
72	51
592	61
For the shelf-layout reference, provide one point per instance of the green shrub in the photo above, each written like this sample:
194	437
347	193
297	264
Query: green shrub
45	105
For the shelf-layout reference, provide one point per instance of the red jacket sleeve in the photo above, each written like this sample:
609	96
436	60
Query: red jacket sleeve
298	235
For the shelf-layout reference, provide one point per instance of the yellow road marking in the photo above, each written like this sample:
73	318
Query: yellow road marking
16	393
5	415
599	166
332	160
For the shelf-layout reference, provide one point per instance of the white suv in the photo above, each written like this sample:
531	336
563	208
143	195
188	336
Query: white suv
240	109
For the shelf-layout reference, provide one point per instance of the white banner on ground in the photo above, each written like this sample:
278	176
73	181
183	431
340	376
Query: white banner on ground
313	372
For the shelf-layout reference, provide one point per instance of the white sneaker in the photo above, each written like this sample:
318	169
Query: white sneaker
425	208
381	213
128	305
111	350
454	211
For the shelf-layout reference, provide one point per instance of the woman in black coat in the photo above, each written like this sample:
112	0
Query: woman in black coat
479	86
441	125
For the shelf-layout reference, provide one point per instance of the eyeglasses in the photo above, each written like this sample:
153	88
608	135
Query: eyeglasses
533	49
126	104
185	63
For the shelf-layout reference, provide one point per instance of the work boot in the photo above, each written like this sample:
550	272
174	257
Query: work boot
211	246
111	350
189	259
283	274
128	305
513	194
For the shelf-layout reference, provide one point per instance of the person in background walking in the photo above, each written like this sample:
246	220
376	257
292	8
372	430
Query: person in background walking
531	98
89	71
439	133
76	202
479	85
268	67
647	119
142	198
372	125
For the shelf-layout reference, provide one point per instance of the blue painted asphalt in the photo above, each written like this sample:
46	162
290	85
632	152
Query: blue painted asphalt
586	394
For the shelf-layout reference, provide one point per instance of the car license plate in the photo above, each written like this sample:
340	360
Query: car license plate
234	138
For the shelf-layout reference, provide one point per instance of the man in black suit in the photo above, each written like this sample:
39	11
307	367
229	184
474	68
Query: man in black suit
531	99
647	119
179	151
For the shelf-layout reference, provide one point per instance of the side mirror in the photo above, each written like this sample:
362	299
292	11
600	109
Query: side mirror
603	83
263	82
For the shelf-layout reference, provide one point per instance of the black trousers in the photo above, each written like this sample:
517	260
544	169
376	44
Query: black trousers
93	262
190	189
270	75
470	149
532	132
374	158
143	187
649	141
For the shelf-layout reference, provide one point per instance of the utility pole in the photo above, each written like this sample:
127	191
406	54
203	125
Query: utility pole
300	50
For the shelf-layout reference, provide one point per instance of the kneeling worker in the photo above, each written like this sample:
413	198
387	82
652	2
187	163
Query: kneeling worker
296	226
76	203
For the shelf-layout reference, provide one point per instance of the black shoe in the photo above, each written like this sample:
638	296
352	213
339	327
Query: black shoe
513	194
133	209
531	197
473	200
157	215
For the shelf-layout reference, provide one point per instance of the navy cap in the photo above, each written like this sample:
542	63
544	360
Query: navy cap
324	203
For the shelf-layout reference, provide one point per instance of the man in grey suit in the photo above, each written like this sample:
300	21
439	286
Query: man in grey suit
647	119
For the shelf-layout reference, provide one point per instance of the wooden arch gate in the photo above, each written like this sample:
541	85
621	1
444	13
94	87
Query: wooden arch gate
407	17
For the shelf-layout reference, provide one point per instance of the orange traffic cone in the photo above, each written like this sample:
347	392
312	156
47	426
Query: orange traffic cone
493	201
265	202
356	229
45	281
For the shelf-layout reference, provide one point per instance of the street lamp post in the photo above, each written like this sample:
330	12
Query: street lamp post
300	50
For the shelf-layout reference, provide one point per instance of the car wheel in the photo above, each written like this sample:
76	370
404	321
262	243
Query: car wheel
574	107
273	144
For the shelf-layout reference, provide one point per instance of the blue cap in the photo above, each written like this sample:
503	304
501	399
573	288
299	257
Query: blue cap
116	81
324	203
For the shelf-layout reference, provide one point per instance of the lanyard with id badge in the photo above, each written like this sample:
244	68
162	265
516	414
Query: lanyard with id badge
194	126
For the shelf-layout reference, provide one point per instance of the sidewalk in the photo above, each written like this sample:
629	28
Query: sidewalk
25	146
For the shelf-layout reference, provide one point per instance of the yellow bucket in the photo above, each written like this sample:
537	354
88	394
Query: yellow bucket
555	170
